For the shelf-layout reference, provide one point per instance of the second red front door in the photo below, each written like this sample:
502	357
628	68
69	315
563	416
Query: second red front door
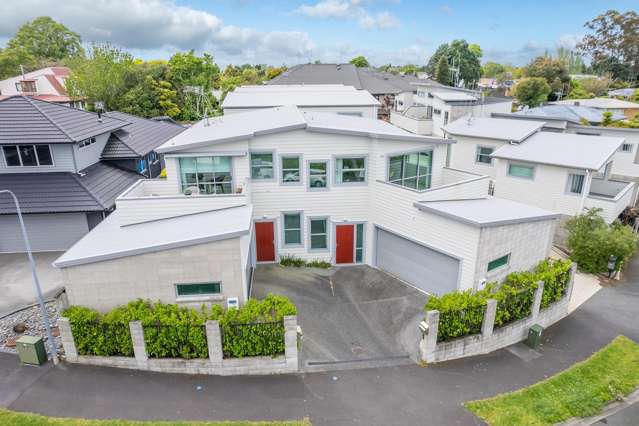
265	241
344	243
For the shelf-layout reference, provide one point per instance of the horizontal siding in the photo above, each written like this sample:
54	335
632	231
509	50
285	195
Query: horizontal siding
90	154
62	161
369	112
463	155
47	232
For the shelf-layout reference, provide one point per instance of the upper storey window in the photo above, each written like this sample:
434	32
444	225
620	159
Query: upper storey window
27	155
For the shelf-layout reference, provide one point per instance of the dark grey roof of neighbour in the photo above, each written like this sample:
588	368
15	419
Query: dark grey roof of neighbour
95	189
139	137
375	82
27	120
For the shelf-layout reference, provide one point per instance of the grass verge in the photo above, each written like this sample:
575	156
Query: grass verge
582	390
14	418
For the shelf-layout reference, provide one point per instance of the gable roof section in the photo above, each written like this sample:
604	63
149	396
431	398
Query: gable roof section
562	150
27	120
493	128
139	137
242	126
58	192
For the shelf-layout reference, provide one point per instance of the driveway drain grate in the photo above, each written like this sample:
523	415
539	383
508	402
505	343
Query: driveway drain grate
350	361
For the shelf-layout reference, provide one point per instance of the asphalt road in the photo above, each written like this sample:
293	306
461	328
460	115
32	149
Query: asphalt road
406	395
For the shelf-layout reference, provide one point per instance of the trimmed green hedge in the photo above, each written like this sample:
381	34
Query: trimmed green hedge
171	331
461	313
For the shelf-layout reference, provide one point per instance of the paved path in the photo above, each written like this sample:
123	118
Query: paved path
405	395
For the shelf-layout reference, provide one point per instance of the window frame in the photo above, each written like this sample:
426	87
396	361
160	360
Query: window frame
83	143
34	145
273	166
180	177
202	296
531	178
498	267
283	228
299	165
327	222
336	158
416	177
327	178
569	182
625	144
478	154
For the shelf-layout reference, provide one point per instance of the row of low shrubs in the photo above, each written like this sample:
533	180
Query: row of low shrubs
170	331
461	312
290	260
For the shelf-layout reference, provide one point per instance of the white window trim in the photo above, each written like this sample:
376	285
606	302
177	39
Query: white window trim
274	160
328	234
534	170
403	153
233	179
283	228
308	174
199	297
338	157
569	184
6	164
480	163
281	169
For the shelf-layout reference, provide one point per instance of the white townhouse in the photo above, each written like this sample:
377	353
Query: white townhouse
334	98
253	187
564	173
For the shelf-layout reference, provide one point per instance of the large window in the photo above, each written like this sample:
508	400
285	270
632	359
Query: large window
319	234
411	170
521	171
483	155
198	289
576	183
498	263
292	229
291	169
262	166
27	155
350	170
211	175
317	174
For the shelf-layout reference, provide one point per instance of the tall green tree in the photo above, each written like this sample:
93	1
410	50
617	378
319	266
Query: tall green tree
459	54
492	69
572	60
442	72
193	77
360	62
532	91
552	70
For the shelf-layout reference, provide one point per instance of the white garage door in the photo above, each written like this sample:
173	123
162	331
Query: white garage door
47	232
423	267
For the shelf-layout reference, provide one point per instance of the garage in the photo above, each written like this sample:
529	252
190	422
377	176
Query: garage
47	232
423	267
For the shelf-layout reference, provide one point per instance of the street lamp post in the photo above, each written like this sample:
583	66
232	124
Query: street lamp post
36	282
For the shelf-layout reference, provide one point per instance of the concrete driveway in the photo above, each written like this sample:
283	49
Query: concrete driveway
16	282
365	318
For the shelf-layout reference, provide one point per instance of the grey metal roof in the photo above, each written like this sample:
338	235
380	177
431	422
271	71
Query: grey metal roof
486	212
493	128
375	82
139	137
95	189
571	113
109	240
601	103
27	120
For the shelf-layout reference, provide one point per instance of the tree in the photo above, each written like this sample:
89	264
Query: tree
607	119
532	91
38	43
189	73
442	72
274	72
613	44
151	98
360	62
573	61
596	86
577	91
476	50
101	75
552	70
492	69
459	54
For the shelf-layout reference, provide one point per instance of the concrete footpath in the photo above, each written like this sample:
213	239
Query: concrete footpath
406	395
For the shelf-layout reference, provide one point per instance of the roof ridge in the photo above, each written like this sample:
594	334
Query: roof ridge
48	118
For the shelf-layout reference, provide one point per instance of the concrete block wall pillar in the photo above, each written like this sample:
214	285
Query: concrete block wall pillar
139	346
66	336
539	292
214	342
488	324
290	342
428	345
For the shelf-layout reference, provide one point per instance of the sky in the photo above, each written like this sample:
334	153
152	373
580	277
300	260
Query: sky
278	32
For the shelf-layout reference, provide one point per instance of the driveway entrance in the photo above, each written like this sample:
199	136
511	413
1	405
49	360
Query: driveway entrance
350	316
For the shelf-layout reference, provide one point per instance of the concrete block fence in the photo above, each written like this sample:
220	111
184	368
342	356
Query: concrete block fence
215	364
490	339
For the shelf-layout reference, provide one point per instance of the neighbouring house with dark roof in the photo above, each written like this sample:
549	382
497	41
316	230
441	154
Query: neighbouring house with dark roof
46	84
66	167
393	91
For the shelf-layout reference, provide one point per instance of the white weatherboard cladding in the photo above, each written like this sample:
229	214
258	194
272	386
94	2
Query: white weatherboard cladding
90	154
366	111
464	152
62	161
47	232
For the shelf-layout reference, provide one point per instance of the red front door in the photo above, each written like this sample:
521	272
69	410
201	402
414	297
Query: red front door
344	240
265	241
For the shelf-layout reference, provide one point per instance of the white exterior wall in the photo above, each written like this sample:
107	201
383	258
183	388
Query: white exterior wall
365	111
8	86
404	100
62	161
464	154
107	284
90	154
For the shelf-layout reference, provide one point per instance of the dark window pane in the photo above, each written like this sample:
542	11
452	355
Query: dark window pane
44	155
353	163
292	221
410	168
290	175
498	262
359	240
318	168
291	163
318	226
318	242
27	154
198	289
395	168
11	155
292	237
356	176
359	255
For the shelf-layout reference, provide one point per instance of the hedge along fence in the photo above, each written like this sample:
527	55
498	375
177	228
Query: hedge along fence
461	313
171	331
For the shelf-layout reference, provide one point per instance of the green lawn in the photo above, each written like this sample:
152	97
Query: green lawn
13	418
580	391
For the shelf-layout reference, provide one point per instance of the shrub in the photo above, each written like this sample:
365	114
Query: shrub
461	313
555	274
179	332
290	260
591	241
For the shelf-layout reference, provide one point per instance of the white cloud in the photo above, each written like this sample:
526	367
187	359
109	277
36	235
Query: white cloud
160	25
350	10
569	41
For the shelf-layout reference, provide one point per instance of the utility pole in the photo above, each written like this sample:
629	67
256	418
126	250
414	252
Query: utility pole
36	282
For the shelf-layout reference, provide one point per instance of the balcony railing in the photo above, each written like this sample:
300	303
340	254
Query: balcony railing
611	196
